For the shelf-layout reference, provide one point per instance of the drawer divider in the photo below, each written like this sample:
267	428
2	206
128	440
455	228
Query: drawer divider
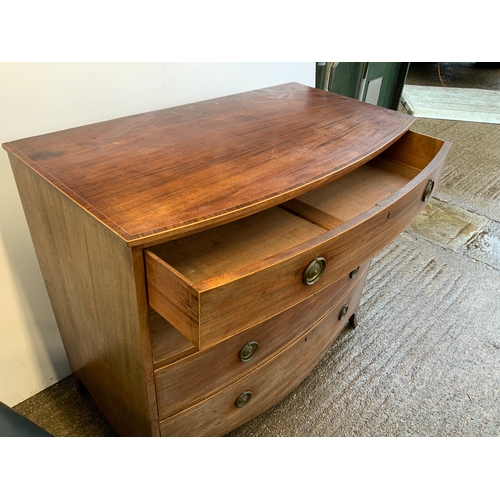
312	214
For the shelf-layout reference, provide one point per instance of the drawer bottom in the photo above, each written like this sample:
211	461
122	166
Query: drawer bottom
265	386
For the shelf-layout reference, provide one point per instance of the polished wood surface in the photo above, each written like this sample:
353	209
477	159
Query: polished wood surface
269	383
170	239
146	176
198	376
229	278
178	271
100	312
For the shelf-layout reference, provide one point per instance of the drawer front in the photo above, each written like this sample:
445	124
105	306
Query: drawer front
280	285
200	375
180	272
268	384
221	307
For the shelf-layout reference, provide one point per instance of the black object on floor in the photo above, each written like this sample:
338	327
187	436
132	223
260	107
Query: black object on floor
12	424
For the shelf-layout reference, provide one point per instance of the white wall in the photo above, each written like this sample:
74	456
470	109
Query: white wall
37	98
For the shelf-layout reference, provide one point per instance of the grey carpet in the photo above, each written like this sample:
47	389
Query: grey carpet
471	178
425	358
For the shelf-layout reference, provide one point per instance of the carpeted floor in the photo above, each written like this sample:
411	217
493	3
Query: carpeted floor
425	358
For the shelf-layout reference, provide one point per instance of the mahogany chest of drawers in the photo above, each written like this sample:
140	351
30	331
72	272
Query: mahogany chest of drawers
200	260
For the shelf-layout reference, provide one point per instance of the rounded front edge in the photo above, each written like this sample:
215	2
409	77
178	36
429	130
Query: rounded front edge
270	382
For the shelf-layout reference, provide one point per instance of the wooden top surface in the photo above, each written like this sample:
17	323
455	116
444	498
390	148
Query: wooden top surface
158	175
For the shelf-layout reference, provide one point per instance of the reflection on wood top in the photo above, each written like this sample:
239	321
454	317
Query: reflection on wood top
163	174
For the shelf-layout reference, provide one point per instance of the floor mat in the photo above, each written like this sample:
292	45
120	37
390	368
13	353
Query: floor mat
446	103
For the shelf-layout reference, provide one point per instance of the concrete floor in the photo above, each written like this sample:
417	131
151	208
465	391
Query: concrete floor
468	75
425	358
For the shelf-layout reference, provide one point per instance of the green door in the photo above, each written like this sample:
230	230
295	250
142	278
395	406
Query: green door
379	83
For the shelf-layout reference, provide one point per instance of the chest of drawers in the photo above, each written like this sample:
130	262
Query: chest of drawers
200	260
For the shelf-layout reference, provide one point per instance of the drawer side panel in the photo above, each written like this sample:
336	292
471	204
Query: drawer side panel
173	295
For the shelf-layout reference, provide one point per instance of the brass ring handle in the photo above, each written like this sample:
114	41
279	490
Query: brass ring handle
428	191
248	351
343	312
314	271
353	273
243	399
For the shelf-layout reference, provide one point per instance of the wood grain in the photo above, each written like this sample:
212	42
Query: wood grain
354	194
90	280
174	297
200	375
211	254
313	214
146	176
376	210
269	383
209	213
169	344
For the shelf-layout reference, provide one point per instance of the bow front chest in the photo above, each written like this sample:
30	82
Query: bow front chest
201	259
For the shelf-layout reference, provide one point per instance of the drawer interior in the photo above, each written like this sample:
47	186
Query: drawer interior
349	196
169	344
214	283
369	185
209	255
179	270
213	253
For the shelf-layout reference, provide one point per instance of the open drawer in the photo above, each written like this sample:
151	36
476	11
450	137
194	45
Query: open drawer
197	376
215	283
